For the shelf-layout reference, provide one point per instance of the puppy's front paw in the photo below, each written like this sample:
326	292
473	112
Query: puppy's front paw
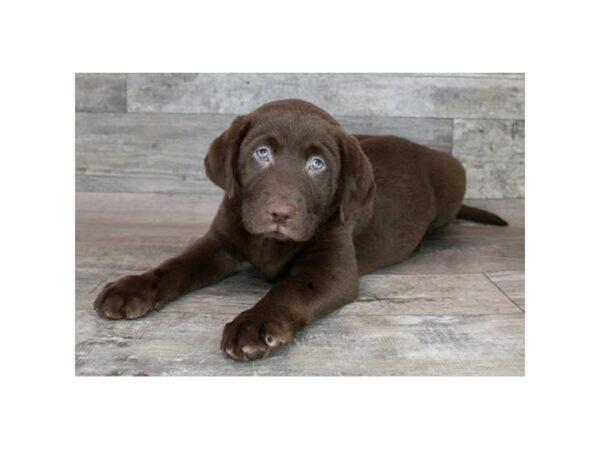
255	333
127	298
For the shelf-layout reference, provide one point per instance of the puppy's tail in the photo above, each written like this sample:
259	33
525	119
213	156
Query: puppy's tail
480	215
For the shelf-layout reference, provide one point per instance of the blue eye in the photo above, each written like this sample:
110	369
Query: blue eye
316	164
262	153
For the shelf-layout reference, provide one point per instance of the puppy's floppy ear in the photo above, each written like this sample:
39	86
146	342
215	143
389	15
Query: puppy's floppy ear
220	163
357	183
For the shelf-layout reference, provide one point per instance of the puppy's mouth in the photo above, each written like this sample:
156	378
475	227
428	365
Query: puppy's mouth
291	231
281	233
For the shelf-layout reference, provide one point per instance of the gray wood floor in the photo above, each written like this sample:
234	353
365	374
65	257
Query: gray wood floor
455	308
149	132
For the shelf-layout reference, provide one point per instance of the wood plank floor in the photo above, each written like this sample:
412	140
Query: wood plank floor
454	308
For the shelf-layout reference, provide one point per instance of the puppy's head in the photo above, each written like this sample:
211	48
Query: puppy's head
293	167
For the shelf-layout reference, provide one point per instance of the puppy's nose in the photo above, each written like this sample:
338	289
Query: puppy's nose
280	213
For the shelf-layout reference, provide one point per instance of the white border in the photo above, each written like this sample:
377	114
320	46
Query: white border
44	43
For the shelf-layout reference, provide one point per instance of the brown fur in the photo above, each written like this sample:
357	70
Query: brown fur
312	231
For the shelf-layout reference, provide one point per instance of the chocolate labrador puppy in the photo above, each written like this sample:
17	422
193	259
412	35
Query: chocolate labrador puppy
310	207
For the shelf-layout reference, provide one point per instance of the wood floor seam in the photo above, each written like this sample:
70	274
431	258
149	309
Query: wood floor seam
503	293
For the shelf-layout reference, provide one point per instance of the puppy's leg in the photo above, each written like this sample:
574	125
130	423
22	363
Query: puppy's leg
323	277
203	262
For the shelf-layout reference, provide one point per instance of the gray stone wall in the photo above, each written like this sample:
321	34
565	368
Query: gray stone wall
150	132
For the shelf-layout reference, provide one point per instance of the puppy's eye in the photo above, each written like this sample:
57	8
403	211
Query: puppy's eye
315	164
262	153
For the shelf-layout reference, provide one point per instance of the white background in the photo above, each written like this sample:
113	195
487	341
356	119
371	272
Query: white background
43	404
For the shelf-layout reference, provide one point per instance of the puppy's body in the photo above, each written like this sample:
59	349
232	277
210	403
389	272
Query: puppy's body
418	190
310	207
406	206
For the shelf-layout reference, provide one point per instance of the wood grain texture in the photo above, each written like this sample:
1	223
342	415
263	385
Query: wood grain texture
426	319
182	343
145	152
493	153
433	133
114	215
476	116
404	95
100	92
518	75
512	283
164	152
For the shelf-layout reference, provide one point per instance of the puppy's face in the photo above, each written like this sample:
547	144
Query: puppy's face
288	169
292	166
